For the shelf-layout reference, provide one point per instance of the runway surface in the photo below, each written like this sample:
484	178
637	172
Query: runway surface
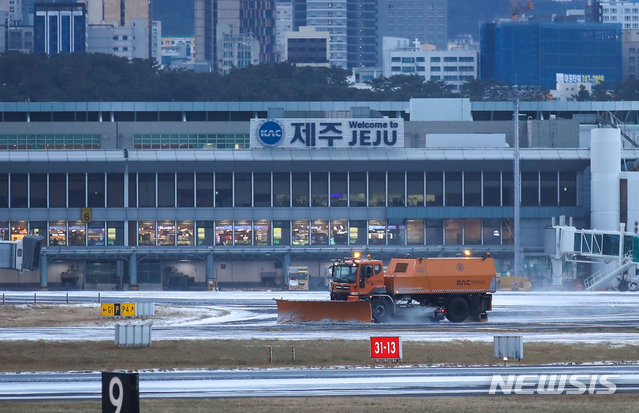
539	316
406	381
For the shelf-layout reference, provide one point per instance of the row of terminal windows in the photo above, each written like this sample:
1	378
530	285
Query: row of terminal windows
132	116
266	232
285	189
8	142
66	142
192	141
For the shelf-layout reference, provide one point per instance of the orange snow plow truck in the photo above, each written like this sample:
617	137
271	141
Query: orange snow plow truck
455	288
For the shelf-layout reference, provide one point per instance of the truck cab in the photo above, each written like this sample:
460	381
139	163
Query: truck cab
354	279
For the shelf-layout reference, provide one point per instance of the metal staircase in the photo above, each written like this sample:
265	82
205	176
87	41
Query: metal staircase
604	276
615	122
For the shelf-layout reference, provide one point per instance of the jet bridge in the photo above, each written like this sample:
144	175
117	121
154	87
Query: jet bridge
615	253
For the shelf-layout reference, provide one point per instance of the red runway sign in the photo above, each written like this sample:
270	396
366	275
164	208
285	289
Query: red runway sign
386	348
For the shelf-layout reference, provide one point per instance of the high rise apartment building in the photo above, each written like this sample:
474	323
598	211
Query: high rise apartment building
235	50
362	33
424	20
325	16
283	24
13	7
352	24
255	18
624	12
155	51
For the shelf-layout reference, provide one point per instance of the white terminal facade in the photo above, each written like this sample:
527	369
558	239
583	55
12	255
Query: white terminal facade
185	193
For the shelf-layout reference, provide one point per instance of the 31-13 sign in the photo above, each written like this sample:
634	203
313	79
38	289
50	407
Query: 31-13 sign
386	348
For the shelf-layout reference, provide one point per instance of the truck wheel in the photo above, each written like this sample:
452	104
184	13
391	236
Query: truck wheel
623	286
457	310
381	311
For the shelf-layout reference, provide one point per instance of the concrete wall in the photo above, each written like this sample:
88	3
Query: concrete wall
556	133
17	277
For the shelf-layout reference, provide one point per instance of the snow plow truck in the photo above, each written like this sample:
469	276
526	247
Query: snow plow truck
456	288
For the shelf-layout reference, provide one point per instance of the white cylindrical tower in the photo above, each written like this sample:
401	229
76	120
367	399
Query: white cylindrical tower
605	167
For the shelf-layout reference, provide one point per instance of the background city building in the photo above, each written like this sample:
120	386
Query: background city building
235	49
630	53
453	67
128	24
178	51
568	87
362	34
426	21
283	24
255	19
326	16
532	52
120	12
623	12
60	28
307	47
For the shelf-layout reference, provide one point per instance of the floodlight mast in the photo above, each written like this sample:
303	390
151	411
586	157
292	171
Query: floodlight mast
518	261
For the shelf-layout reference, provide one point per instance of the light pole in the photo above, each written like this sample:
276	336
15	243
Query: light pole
515	93
517	184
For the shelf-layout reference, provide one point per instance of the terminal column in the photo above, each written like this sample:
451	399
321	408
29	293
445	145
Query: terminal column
285	265
210	271
43	273
605	171
133	272
605	168
119	273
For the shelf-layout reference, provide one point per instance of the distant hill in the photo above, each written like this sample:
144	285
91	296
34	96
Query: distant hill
464	16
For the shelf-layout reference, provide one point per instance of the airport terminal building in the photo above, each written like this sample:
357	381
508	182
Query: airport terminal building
182	195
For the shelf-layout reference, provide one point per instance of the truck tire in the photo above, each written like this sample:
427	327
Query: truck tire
381	310
457	310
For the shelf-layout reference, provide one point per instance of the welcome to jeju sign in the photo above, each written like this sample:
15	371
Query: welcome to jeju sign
327	133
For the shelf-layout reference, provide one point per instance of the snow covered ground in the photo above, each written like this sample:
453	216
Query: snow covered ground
252	315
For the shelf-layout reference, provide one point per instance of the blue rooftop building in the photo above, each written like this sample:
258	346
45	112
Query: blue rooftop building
60	28
531	53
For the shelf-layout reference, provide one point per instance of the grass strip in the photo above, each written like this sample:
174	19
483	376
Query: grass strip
496	404
20	356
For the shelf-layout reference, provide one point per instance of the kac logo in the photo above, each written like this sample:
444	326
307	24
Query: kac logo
270	133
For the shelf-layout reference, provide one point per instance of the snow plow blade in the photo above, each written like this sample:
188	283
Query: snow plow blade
303	311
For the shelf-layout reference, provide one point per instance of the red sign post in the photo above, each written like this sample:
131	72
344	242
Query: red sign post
386	348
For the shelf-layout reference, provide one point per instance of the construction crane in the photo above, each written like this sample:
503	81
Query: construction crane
519	8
